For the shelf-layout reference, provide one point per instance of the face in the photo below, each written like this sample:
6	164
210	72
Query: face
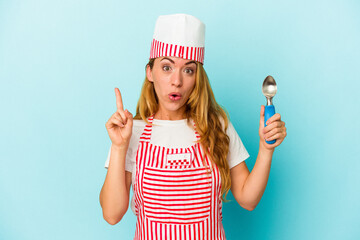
174	80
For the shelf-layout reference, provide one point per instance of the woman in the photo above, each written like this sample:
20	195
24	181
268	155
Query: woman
180	152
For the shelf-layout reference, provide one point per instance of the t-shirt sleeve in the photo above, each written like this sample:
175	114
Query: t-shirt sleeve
237	151
129	159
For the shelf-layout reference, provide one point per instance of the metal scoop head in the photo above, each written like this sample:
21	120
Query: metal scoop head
269	89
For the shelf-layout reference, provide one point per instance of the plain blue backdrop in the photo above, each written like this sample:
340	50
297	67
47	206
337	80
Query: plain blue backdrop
61	60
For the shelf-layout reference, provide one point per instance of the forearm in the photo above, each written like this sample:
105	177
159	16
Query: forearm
256	181
114	195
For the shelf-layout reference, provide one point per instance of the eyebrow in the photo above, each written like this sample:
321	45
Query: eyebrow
174	62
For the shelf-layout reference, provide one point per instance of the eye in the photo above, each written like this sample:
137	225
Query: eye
166	68
189	70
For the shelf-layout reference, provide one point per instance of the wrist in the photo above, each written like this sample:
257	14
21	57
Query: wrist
263	149
121	147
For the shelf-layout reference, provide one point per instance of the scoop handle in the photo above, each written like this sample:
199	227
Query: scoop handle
269	112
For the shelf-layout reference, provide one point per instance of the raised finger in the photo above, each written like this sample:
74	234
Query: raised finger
119	103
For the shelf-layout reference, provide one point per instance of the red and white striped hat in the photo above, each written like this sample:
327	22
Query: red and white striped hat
179	35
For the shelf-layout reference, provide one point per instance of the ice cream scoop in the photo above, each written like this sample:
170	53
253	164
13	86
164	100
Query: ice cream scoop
269	90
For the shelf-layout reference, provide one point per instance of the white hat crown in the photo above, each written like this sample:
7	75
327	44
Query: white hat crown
179	35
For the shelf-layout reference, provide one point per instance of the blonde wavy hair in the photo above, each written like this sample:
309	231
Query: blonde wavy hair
205	112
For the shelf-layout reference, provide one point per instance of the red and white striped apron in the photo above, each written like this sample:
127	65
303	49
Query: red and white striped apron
176	197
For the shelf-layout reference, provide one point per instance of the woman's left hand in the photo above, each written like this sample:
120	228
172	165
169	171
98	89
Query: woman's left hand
275	129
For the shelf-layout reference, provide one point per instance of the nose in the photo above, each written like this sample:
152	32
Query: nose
177	79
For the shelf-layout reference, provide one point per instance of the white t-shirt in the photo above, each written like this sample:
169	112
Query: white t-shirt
176	134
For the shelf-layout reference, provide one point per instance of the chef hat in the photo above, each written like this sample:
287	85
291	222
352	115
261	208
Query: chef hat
178	35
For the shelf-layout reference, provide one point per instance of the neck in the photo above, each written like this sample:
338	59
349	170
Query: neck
170	115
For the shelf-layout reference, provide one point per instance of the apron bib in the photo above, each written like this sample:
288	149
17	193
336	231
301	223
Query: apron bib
176	195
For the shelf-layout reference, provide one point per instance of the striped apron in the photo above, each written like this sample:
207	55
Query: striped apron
176	195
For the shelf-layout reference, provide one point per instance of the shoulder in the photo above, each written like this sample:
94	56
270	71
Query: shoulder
229	128
138	125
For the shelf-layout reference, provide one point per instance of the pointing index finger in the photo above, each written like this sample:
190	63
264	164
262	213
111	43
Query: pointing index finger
119	103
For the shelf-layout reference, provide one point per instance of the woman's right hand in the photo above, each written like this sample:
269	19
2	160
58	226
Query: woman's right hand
119	125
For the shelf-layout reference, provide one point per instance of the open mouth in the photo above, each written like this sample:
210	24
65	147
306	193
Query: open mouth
175	96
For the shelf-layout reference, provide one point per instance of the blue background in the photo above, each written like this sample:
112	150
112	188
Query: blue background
60	62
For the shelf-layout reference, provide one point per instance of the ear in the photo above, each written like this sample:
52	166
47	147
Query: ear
148	73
